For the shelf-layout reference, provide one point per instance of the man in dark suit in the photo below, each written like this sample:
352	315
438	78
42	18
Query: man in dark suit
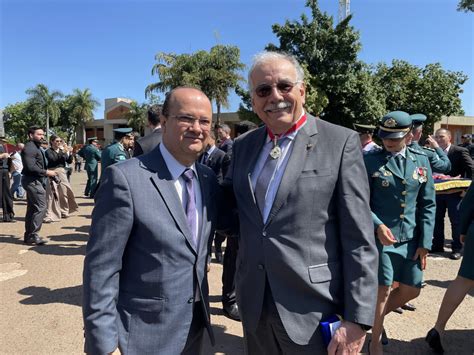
224	136
307	248
467	143
34	180
461	165
6	196
150	141
145	271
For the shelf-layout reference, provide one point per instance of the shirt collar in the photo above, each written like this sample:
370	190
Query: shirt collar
175	168
211	149
291	136
402	152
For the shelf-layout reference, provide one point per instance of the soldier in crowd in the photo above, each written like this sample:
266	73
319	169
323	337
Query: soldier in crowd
402	201
91	154
366	133
117	151
439	160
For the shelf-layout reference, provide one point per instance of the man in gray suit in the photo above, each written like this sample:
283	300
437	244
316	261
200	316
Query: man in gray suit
307	247
146	144
145	279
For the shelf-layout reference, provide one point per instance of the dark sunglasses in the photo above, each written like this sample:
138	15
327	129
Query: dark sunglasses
283	87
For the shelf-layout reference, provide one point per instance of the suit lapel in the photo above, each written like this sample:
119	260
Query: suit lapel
251	149
205	199
305	140
164	183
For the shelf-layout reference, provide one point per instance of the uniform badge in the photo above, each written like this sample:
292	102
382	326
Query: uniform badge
376	174
387	173
390	123
422	176
385	183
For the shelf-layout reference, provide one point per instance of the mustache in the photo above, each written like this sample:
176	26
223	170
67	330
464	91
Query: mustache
193	136
278	106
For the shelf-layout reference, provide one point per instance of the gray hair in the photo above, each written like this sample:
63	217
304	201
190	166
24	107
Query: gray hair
267	56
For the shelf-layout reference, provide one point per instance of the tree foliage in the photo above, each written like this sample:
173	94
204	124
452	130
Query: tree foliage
466	5
215	72
430	90
137	116
17	118
45	105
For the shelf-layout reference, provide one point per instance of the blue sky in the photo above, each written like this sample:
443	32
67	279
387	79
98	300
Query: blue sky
109	46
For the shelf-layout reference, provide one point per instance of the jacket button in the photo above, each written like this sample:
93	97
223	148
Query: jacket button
191	300
264	233
261	267
402	216
403	205
404	193
404	182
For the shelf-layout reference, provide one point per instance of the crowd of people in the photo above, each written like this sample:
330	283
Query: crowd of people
327	231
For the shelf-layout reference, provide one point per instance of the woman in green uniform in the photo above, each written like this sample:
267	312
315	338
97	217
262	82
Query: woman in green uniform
402	200
464	282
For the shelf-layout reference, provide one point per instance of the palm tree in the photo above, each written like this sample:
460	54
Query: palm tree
137	116
44	102
82	105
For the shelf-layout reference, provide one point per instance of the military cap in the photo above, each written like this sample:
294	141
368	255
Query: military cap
395	125
418	119
121	132
364	128
467	135
91	139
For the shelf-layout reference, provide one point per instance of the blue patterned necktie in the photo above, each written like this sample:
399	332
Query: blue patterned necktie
190	206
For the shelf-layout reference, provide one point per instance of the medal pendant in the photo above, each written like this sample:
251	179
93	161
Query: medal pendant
275	153
385	183
415	175
422	179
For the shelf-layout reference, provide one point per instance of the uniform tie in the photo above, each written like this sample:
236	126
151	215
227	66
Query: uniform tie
190	206
400	162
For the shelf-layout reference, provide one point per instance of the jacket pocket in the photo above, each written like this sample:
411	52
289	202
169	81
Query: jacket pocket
324	272
142	304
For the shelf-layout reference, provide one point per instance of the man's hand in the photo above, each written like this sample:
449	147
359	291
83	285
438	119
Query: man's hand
421	253
116	352
4	155
348	339
50	173
385	235
432	142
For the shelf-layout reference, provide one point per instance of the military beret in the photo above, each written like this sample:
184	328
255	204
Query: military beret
418	119
395	125
364	128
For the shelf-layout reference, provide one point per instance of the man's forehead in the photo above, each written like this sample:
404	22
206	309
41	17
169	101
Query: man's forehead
276	67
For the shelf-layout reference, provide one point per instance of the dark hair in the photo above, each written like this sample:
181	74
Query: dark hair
53	138
33	129
165	109
153	113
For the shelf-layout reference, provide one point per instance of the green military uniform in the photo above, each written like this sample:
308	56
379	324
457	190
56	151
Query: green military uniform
115	152
91	155
403	199
467	228
112	154
439	160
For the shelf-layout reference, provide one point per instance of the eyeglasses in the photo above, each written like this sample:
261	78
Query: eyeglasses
283	87
58	141
189	121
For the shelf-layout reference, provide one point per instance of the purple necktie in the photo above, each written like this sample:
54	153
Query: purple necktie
190	205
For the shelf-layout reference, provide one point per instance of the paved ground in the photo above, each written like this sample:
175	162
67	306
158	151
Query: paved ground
41	295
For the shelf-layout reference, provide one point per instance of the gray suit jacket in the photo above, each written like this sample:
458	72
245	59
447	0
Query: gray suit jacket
317	248
147	143
141	269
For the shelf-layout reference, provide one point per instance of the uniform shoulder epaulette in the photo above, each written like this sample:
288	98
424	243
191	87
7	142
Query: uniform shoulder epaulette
429	148
416	151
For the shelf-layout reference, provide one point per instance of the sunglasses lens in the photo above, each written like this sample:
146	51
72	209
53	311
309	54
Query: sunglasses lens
284	88
263	90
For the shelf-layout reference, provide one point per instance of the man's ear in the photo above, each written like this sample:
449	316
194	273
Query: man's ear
163	121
